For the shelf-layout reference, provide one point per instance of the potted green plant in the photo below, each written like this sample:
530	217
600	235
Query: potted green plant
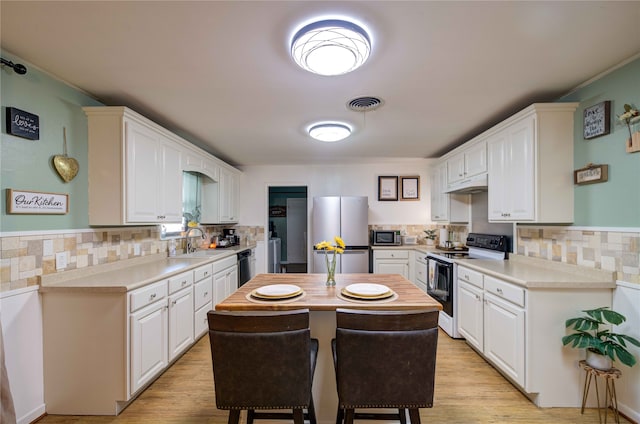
602	345
430	236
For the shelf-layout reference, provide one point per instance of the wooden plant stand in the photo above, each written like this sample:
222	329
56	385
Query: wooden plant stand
610	398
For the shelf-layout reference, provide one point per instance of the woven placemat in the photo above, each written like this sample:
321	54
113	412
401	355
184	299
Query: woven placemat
275	301
372	301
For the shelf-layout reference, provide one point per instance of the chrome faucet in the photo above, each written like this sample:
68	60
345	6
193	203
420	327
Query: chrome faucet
190	246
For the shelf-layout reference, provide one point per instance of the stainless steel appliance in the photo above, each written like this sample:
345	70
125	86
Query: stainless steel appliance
442	273
385	238
347	217
274	252
244	267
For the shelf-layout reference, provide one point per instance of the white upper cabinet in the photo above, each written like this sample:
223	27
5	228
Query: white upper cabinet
229	191
152	161
446	207
135	172
466	164
530	166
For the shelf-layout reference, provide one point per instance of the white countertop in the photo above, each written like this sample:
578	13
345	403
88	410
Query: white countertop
535	273
123	276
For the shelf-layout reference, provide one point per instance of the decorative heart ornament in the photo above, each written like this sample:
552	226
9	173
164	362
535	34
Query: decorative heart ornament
67	167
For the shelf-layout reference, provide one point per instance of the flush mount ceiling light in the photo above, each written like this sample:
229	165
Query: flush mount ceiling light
331	47
329	132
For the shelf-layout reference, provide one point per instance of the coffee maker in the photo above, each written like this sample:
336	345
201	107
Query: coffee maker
231	236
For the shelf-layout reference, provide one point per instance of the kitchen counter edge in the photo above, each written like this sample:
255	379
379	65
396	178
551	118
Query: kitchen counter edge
534	273
130	274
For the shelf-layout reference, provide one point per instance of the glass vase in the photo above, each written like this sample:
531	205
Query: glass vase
331	269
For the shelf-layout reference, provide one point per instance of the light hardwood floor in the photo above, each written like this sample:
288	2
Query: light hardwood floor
468	390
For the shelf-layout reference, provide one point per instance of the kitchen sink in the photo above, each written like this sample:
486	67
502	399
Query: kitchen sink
198	254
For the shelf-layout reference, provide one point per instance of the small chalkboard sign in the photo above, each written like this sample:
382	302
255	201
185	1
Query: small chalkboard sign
23	124
597	120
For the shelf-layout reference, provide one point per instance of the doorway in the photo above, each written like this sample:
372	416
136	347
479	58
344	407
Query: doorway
287	229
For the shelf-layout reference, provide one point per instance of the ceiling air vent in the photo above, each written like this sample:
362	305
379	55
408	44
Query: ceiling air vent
365	104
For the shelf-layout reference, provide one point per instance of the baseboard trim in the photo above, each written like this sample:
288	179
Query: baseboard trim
33	415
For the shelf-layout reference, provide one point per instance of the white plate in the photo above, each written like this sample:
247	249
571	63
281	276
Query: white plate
278	290
367	290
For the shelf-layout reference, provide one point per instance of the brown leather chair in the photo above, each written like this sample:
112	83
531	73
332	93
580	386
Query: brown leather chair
385	359
263	361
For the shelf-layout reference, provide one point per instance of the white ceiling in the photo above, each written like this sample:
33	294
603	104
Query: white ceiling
220	73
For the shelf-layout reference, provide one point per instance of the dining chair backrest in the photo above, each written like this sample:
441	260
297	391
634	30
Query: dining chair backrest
261	360
385	358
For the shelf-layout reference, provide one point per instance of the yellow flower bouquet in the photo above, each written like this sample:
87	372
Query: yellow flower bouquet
338	248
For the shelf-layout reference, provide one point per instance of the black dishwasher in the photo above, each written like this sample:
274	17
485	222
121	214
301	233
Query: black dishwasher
244	267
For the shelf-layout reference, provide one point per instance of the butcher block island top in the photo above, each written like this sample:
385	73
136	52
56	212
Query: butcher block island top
318	297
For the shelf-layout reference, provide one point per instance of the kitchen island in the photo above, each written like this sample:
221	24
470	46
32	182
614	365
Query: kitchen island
322	302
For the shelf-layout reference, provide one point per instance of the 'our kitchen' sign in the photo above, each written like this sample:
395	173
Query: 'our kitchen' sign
32	202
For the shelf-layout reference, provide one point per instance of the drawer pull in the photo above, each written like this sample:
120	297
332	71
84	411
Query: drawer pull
466	276
499	290
153	296
205	294
206	273
477	297
174	303
184	283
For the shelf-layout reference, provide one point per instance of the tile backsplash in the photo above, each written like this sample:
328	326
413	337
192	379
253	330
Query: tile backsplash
26	257
617	251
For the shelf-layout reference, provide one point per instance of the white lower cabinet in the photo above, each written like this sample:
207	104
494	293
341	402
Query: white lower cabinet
470	314
123	340
225	278
419	271
518	330
504	333
149	333
180	322
202	299
491	317
148	343
391	261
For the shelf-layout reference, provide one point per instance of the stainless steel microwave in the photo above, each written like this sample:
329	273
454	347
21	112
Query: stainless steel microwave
385	238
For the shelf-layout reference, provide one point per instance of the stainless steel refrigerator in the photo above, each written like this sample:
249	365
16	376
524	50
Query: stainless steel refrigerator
347	217
274	252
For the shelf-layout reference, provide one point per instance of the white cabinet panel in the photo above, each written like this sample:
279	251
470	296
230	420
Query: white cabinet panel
148	344
446	207
470	314
530	157
180	322
504	337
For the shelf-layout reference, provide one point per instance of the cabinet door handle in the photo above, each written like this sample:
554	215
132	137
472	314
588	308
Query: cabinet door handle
499	290
173	303
206	273
184	283
205	294
477	297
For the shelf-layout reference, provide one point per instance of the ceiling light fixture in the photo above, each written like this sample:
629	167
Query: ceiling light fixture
331	47
329	132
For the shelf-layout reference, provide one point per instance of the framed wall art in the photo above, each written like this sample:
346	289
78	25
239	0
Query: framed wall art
387	188
596	120
410	188
33	202
591	174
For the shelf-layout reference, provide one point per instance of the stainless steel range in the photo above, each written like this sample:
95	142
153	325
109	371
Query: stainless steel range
442	278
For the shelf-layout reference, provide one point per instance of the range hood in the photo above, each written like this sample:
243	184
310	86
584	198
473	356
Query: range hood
475	184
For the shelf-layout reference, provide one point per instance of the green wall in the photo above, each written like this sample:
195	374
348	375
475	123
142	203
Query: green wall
615	203
27	164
